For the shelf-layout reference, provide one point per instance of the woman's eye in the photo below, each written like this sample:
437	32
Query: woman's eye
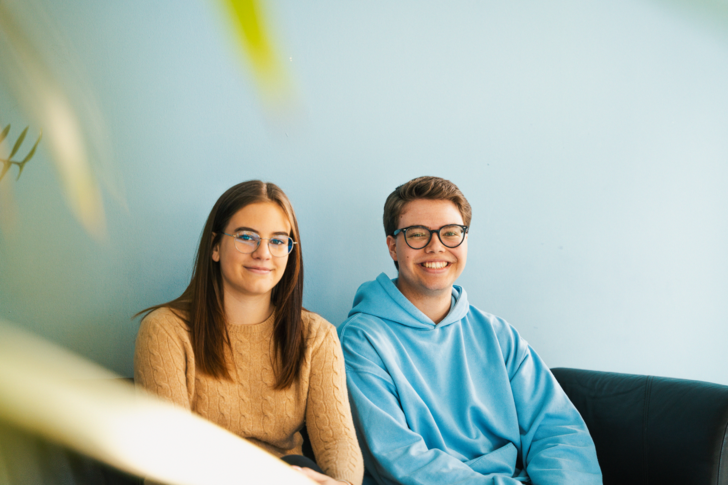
277	242
247	237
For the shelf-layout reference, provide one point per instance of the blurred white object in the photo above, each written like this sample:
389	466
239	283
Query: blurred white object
51	392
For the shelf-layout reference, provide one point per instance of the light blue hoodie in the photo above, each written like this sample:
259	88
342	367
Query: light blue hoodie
465	401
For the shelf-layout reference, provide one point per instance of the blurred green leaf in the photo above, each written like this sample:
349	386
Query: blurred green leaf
254	36
16	147
32	150
4	133
27	158
7	163
5	169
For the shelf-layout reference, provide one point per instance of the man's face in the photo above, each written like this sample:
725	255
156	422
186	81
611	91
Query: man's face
432	270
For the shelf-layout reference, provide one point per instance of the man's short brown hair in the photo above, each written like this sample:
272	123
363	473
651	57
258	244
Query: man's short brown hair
432	188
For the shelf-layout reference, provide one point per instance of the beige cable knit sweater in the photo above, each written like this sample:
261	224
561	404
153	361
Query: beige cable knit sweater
249	406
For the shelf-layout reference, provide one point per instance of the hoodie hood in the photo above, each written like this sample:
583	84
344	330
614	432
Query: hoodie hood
382	299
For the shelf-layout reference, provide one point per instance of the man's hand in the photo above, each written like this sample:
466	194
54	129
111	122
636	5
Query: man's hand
319	477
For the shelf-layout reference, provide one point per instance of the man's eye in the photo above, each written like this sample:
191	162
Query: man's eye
418	234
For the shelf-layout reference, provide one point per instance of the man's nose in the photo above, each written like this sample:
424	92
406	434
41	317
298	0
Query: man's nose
435	245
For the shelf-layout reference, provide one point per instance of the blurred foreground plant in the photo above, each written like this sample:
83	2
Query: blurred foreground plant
8	162
56	97
254	36
50	392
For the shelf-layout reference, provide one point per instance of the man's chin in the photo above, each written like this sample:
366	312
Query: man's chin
435	289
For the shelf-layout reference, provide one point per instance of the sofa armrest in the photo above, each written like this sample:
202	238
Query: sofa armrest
652	429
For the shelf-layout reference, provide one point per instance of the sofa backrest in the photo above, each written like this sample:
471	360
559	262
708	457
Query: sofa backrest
652	430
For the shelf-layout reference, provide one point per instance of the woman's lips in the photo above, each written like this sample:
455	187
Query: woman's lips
258	270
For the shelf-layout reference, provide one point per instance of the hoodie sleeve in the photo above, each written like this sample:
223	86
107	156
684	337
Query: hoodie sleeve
556	445
393	453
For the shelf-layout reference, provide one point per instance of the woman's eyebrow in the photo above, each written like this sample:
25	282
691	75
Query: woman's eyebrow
243	228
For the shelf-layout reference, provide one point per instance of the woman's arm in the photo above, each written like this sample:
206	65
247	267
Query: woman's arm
161	357
328	414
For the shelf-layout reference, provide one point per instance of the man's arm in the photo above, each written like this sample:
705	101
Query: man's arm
556	445
393	453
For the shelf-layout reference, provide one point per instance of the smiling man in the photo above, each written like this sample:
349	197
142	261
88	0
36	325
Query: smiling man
442	392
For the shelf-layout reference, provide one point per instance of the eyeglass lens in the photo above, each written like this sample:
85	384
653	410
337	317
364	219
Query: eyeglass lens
247	242
450	236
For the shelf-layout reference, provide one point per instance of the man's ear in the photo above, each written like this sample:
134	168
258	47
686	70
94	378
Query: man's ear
392	246
215	250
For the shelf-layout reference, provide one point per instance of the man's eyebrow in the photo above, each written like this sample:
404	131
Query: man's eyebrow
429	228
243	228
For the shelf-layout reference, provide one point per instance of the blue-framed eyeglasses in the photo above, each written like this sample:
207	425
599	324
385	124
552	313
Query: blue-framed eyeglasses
418	237
247	242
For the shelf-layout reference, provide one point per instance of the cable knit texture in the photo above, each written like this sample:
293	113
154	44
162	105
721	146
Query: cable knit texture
249	406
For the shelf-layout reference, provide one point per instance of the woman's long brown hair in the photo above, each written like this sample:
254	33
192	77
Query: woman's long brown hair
201	305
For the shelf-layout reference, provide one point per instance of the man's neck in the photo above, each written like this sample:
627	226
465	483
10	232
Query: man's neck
435	305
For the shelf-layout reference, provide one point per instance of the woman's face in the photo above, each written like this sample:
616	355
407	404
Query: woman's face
257	273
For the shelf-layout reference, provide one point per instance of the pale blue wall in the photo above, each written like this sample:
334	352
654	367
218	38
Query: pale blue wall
590	138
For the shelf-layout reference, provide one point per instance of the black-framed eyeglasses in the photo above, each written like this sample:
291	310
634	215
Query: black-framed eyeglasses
418	237
247	242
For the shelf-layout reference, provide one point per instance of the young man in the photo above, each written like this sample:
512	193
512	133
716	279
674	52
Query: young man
442	392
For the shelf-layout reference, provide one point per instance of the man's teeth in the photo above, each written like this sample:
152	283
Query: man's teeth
435	264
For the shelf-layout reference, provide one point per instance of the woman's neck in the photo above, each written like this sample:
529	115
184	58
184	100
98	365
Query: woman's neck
247	310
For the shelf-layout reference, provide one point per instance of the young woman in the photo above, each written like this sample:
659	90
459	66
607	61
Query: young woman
238	348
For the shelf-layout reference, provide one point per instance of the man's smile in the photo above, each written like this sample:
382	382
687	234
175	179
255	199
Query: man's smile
435	264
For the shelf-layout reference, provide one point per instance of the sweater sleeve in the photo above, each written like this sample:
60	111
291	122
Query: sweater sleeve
160	358
328	414
556	445
394	454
